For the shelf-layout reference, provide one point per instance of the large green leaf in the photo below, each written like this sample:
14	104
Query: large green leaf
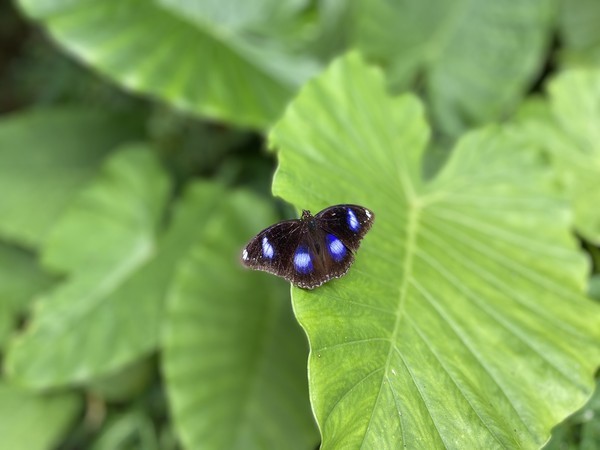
462	323
234	358
45	157
196	57
235	14
581	431
567	126
473	59
35	422
96	320
20	279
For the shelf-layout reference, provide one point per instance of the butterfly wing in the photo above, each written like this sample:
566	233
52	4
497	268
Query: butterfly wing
287	250
306	268
335	258
349	223
272	250
311	251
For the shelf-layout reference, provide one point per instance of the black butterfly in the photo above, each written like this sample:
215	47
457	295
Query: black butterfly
313	249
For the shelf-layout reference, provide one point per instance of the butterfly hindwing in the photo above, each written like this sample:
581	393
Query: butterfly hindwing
312	250
272	249
336	257
306	267
318	258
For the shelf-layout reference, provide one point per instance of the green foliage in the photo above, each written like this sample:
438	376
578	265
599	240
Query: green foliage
462	295
582	429
104	241
578	27
261	387
567	127
21	279
245	80
434	43
35	422
46	155
464	321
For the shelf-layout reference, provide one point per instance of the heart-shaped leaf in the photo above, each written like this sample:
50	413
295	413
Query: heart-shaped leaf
463	323
234	358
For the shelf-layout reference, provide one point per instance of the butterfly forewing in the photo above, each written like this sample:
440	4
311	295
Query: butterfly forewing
312	250
348	222
272	249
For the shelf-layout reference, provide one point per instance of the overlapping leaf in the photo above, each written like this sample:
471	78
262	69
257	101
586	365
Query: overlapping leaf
21	279
473	59
234	359
582	430
130	429
567	126
101	317
580	32
235	14
35	422
43	163
178	52
463	322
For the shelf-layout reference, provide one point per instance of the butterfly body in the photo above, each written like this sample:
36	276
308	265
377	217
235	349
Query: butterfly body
313	249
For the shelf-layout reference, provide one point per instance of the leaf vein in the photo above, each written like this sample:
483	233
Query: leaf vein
463	340
427	407
439	359
357	341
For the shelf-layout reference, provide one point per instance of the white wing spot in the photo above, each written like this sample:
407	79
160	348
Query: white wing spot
368	213
267	248
245	255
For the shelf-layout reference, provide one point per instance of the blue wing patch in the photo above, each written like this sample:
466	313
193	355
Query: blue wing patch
336	248
302	260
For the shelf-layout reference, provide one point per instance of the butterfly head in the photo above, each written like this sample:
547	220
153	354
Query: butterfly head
309	219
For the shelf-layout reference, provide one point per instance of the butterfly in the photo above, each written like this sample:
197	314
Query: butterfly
313	249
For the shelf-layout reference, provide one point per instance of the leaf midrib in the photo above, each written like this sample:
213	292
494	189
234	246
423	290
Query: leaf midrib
411	238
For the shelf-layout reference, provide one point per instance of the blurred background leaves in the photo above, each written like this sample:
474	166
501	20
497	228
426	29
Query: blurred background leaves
133	169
